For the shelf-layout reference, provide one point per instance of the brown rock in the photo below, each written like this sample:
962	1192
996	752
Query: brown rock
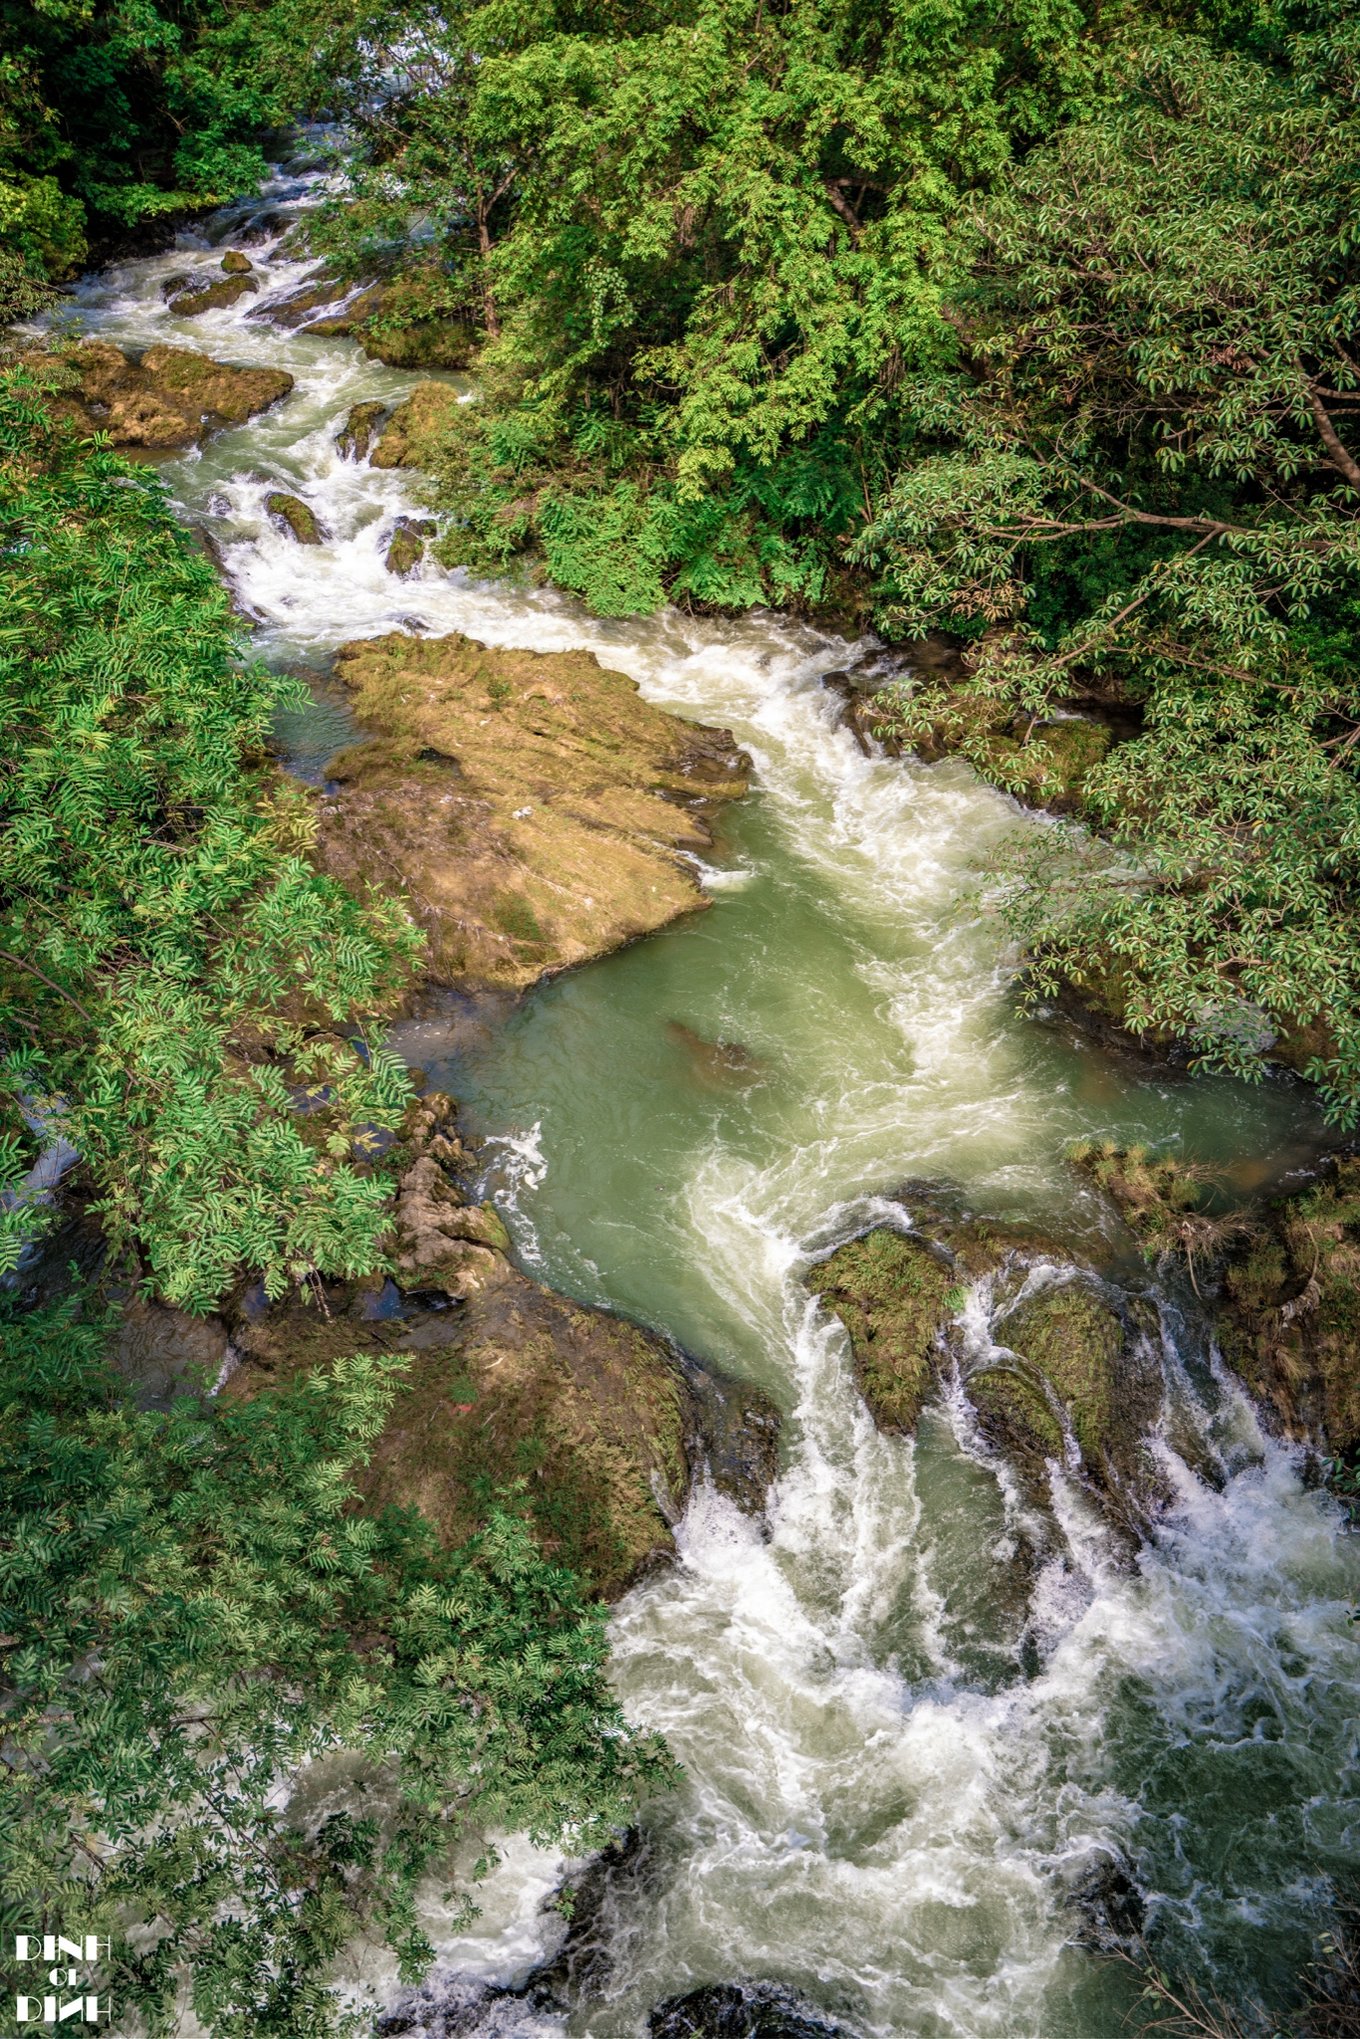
162	1351
533	806
172	397
236	264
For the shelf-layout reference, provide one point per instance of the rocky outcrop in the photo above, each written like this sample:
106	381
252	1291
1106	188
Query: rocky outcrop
532	807
1071	1372
1280	1274
292	516
740	2010
1046	763
387	319
412	435
172	397
597	1418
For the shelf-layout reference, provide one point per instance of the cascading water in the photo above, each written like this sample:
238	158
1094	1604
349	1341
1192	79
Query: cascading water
907	1751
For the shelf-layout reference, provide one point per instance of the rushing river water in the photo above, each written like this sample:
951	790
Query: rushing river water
905	1757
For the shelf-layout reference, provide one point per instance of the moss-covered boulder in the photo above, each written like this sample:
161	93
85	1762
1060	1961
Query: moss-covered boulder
533	807
234	263
293	517
413	434
172	397
1081	1370
359	431
406	548
1073	1361
215	294
895	1294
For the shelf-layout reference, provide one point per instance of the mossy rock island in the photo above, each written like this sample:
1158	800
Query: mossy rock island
1289	1310
1072	1374
1280	1276
894	1293
533	807
415	431
171	398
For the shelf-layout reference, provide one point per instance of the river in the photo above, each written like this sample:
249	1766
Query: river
900	1763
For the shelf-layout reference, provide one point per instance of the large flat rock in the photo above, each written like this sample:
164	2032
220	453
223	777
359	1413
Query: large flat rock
533	808
172	397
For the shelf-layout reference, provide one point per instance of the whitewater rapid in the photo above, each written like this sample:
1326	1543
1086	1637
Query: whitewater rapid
909	1749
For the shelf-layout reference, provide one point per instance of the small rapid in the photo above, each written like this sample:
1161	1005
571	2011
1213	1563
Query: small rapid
933	1738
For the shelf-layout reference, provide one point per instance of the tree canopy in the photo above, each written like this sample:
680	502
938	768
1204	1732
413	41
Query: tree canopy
1143	493
702	240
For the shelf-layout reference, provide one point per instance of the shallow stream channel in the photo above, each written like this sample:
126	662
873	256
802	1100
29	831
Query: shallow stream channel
922	1780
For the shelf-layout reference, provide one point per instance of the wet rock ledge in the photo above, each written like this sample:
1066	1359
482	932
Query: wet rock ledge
532	807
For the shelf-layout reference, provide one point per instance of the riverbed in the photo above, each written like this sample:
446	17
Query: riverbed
909	1763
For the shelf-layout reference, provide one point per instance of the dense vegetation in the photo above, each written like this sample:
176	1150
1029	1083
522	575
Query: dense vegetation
1033	323
115	112
1029	322
194	1611
203	1636
1146	499
175	978
703	241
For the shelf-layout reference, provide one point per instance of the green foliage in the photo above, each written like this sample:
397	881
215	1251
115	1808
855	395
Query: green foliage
114	111
178	986
1145	496
703	243
203	1637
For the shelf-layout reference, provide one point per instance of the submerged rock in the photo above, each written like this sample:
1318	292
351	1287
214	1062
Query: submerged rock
217	294
291	515
533	805
604	1897
172	397
718	1065
740	2010
359	431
